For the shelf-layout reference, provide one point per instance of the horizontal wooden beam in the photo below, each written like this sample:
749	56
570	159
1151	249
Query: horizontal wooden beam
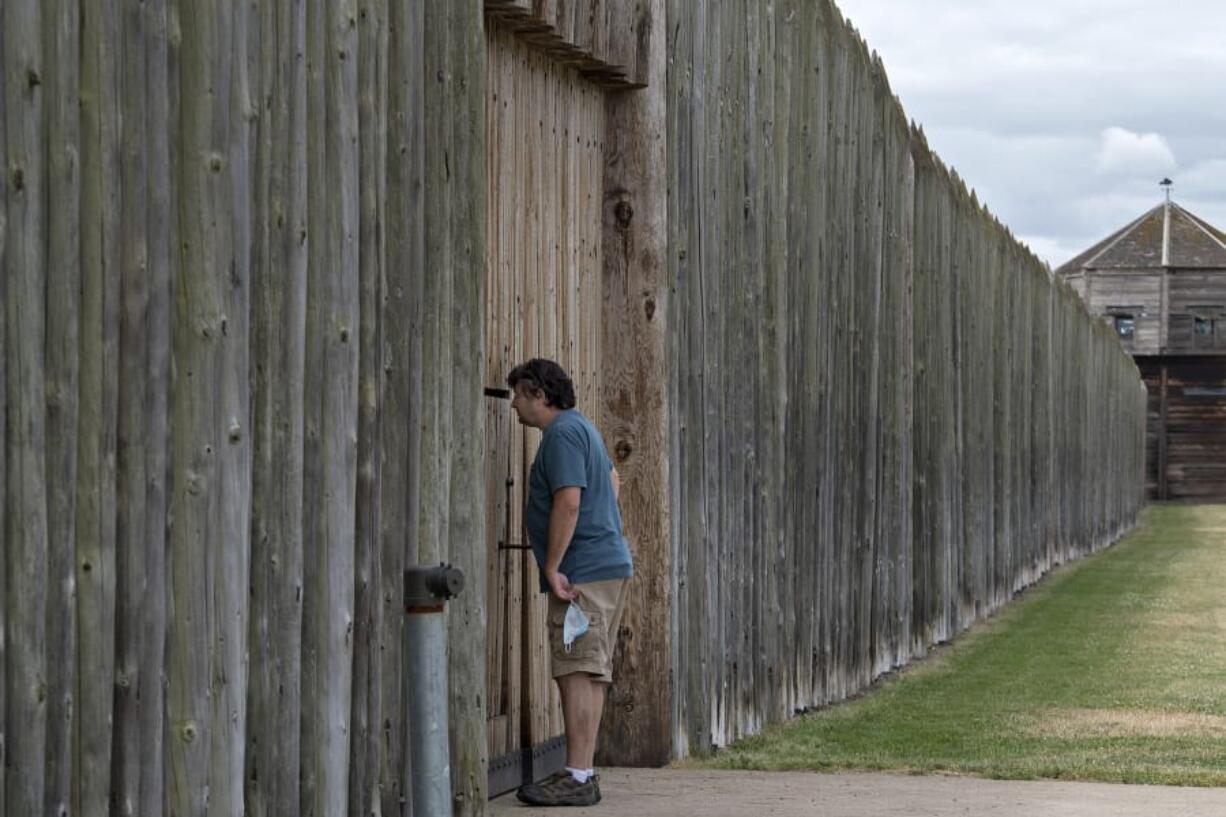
599	41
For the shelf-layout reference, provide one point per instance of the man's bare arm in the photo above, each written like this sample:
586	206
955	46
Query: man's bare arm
563	516
617	483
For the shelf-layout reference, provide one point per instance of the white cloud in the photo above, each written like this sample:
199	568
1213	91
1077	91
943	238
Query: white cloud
1122	151
1064	114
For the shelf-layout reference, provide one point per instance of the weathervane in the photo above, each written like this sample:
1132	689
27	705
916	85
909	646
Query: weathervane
1166	185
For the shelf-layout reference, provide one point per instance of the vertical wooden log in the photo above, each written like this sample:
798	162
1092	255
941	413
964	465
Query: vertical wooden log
26	532
314	641
435	455
131	527
400	313
208	537
367	707
193	326
236	111
261	699
61	42
455	122
279	294
635	372
152	622
4	417
331	419
771	254
98	417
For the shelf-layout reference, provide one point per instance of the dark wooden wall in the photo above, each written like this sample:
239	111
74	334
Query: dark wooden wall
1186	427
888	418
243	252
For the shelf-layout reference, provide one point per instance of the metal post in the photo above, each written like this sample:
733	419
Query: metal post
426	591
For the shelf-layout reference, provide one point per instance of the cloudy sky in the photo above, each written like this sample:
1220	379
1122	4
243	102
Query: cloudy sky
1064	114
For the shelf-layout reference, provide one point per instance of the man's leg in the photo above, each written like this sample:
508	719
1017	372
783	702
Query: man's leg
582	705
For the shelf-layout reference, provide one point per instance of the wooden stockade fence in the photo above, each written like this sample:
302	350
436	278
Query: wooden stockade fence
246	333
888	416
241	349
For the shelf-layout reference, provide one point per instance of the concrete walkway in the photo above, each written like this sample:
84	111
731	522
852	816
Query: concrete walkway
669	792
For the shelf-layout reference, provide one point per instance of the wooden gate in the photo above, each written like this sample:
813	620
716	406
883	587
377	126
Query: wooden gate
545	130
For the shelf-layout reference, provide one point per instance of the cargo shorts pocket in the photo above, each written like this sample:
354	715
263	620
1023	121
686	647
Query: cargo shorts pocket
588	647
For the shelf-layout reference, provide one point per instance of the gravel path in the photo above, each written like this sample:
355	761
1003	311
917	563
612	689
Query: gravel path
669	792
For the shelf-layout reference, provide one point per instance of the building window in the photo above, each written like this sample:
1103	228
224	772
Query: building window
1124	319
1206	324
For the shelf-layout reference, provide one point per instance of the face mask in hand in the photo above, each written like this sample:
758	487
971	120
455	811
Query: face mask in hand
574	626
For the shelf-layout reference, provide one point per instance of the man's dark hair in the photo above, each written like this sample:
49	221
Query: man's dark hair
546	376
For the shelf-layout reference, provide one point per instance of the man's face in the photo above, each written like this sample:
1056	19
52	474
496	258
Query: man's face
530	405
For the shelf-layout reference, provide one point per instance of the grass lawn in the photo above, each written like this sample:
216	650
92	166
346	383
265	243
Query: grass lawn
1111	669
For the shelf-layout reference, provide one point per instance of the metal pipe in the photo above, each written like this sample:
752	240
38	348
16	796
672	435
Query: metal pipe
426	592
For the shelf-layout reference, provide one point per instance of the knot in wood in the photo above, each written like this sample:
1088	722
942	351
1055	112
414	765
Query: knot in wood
649	308
623	212
32	78
188	732
622	450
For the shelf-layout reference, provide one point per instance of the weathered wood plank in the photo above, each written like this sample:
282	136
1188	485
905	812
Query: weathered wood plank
279	285
209	536
235	133
61	42
4	472
131	579
367	705
332	417
98	407
454	110
26	534
401	313
160	260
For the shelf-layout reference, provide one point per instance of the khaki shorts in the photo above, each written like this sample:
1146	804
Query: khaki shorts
602	603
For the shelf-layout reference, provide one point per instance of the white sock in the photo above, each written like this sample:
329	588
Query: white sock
591	773
580	775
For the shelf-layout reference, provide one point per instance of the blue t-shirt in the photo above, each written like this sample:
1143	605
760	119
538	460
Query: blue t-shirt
572	454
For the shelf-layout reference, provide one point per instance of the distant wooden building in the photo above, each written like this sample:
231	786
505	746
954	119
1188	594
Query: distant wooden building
1161	282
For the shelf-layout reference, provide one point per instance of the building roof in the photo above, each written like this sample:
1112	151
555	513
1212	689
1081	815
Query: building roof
1166	236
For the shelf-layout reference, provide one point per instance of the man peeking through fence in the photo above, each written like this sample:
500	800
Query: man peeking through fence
575	529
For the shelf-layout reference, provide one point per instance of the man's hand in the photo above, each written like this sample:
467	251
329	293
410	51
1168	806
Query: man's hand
560	586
